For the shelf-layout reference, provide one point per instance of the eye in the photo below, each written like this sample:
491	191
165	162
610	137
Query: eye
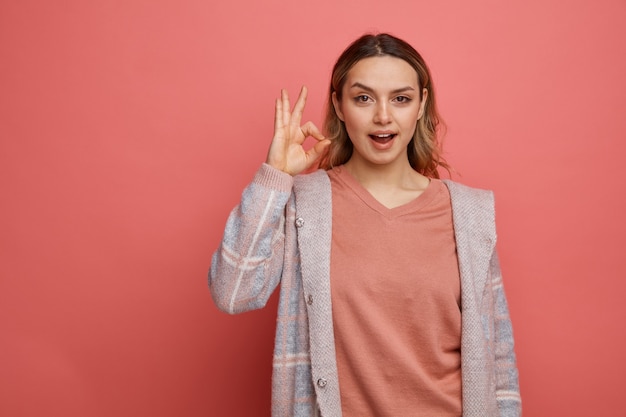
362	98
402	99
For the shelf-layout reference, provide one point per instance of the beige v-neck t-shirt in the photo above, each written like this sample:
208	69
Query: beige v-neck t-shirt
395	291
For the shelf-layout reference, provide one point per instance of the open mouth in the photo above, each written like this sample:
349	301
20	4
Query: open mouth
383	138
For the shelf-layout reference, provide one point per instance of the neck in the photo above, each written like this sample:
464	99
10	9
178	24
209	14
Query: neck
397	175
391	184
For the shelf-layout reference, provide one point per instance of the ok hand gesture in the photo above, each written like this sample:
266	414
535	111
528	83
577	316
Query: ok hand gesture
286	152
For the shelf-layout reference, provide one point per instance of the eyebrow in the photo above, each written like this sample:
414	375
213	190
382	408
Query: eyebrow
371	90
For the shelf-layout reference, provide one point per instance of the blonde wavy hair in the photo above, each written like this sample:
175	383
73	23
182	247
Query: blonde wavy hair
424	150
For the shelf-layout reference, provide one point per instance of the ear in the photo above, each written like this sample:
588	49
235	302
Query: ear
423	103
337	106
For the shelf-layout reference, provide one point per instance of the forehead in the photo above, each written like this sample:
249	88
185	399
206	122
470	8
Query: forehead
382	72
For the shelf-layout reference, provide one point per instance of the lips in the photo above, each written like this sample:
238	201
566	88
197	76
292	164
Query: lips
382	137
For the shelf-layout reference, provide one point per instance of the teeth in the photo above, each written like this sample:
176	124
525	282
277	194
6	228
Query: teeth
383	136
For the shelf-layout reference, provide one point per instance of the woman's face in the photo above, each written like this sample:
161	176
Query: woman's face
380	107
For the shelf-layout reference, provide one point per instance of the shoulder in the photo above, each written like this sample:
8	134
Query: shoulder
316	178
472	208
465	196
312	190
315	183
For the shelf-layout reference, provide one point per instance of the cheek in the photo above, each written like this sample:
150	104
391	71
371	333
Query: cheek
350	129
413	127
348	121
354	119
411	120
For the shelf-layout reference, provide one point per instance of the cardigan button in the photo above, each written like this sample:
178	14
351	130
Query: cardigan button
321	383
299	222
309	299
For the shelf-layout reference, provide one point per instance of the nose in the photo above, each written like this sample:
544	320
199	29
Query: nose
382	115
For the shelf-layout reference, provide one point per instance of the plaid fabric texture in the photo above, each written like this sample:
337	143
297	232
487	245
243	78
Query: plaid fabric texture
281	233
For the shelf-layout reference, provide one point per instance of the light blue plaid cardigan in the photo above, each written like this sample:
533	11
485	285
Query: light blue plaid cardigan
281	233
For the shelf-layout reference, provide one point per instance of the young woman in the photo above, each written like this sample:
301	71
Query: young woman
391	299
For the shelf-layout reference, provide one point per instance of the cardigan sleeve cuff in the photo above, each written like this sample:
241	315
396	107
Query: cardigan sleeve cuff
273	178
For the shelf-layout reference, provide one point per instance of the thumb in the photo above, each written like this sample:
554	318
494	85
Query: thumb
316	151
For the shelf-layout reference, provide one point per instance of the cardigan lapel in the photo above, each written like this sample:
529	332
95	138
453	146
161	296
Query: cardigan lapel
474	229
313	220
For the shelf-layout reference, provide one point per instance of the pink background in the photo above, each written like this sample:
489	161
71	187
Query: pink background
129	128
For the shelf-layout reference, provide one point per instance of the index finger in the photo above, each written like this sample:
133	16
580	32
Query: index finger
278	115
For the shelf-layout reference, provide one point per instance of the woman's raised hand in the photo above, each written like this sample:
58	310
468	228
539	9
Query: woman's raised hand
286	152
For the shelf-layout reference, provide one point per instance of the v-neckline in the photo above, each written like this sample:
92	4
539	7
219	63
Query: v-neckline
411	206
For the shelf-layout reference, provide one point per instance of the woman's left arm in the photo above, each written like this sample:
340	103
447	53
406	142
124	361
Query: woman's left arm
507	383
